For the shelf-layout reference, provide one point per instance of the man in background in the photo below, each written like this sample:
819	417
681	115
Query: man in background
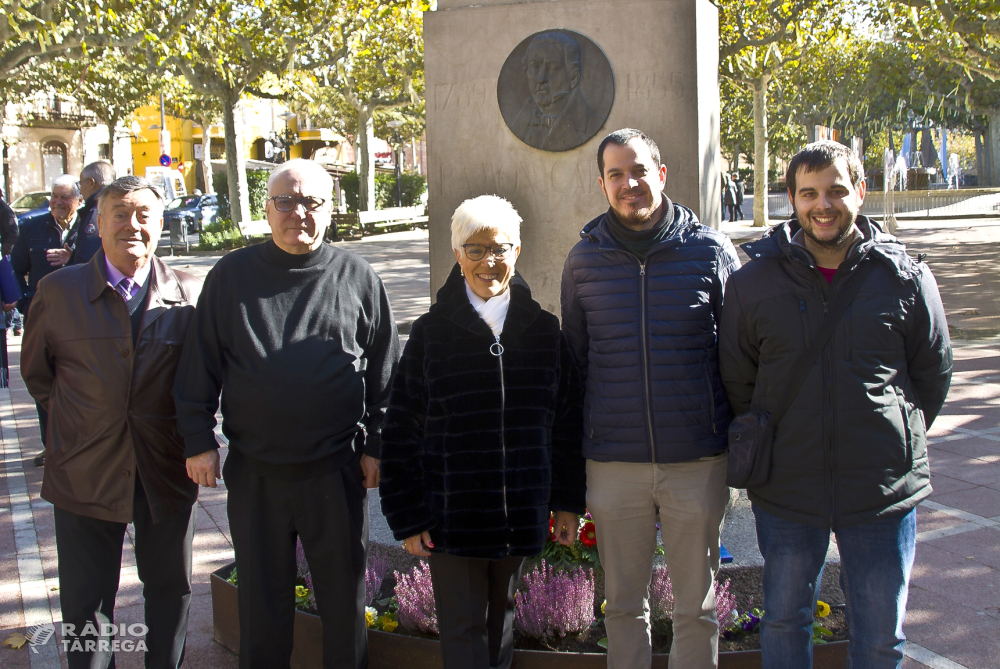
40	249
84	239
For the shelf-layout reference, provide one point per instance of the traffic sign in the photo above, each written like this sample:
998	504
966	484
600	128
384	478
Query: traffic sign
165	160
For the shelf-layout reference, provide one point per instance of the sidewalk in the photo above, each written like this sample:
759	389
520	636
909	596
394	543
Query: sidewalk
953	618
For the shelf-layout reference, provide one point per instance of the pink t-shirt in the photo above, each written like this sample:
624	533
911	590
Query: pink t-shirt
828	273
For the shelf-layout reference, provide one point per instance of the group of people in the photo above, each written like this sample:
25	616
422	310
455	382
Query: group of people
496	420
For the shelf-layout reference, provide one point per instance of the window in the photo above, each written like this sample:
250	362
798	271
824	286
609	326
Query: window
53	162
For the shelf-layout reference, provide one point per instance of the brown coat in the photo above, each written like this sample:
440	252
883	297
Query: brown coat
111	407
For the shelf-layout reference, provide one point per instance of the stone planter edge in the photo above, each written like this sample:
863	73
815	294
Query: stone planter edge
390	651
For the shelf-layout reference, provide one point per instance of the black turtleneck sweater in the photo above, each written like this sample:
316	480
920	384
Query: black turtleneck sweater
638	242
303	349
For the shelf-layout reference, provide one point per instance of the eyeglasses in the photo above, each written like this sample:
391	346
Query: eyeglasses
478	251
287	203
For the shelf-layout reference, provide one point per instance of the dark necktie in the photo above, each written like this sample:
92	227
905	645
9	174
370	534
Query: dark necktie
124	288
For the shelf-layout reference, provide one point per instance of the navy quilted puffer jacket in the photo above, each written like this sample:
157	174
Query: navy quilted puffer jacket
645	337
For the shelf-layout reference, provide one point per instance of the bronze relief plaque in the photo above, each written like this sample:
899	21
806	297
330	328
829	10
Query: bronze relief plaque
555	90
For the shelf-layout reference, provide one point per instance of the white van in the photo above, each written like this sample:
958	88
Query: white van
169	182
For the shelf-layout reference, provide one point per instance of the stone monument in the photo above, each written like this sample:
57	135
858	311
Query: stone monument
520	94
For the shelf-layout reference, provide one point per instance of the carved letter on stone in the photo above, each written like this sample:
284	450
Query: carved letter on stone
555	90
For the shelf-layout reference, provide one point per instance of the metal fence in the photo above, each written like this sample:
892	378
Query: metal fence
966	202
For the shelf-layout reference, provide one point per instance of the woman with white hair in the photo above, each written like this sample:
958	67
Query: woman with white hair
481	439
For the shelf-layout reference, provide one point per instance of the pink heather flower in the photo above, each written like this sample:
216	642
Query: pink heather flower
725	605
661	595
374	574
554	602
661	599
415	598
302	566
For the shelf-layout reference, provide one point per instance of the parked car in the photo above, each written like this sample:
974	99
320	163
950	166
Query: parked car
33	203
196	211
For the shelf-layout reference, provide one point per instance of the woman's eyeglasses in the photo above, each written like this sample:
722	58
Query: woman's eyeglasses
479	251
286	203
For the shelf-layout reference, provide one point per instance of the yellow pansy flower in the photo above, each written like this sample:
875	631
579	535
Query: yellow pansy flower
822	609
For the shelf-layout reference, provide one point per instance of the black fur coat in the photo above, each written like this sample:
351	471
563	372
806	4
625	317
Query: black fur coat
477	448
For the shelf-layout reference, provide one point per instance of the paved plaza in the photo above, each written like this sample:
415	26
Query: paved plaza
954	600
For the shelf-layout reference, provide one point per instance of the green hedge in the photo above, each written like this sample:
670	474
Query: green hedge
412	186
220	236
257	183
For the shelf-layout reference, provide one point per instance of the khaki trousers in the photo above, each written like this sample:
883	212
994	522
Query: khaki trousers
689	499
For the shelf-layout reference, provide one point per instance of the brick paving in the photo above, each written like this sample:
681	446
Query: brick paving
953	615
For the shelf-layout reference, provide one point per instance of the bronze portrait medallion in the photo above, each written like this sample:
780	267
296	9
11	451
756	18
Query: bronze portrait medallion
555	90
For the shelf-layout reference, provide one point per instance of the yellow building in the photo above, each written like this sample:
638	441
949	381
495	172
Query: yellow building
269	132
146	143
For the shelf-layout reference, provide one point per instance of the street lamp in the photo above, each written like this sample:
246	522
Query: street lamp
397	143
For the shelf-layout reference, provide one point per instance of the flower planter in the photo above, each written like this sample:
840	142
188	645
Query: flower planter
390	651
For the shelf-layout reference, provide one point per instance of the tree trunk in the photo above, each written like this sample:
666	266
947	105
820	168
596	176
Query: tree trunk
735	167
365	155
112	124
206	156
760	150
993	148
3	173
239	191
980	160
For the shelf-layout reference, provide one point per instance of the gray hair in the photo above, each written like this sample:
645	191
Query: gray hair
125	185
100	171
486	212
64	180
310	170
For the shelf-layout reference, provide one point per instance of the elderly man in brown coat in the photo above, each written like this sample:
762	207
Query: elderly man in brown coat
100	353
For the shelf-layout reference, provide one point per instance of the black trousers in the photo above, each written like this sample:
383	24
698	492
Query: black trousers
43	423
475	608
90	557
329	513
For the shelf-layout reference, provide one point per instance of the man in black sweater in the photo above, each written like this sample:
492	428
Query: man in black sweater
299	338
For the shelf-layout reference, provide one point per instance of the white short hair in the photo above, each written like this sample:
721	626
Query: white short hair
67	180
486	212
310	170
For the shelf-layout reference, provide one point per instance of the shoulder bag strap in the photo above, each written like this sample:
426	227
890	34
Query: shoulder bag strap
838	307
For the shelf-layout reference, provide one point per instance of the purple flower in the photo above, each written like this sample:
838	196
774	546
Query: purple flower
554	602
725	605
374	574
301	565
661	595
661	599
415	598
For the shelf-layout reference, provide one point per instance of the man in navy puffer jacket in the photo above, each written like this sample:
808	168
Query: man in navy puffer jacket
641	299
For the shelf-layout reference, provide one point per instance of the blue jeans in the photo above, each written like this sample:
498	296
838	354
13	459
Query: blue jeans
875	563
